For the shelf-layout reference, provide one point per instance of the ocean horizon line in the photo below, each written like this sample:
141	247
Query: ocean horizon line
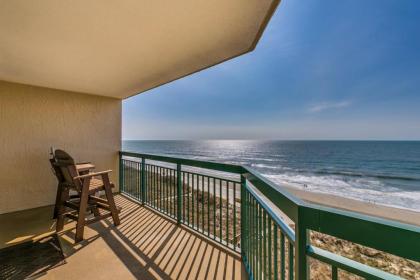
285	140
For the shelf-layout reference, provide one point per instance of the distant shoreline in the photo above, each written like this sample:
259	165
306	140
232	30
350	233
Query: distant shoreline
387	212
271	140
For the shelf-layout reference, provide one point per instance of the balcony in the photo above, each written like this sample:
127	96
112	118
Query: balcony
189	219
146	245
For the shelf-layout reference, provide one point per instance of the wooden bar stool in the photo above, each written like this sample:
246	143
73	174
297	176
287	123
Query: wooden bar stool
63	193
84	202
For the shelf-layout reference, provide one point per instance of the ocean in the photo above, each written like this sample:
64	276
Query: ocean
381	172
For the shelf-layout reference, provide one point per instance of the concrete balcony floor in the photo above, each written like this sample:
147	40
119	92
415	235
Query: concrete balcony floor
145	245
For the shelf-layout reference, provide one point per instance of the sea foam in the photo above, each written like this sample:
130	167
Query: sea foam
363	189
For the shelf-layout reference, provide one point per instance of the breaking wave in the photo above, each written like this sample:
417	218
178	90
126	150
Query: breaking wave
363	189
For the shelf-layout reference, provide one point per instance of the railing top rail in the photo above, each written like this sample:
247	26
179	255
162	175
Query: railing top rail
285	228
365	230
225	167
349	265
285	201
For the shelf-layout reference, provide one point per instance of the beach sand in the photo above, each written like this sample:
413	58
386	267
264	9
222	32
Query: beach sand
397	214
378	210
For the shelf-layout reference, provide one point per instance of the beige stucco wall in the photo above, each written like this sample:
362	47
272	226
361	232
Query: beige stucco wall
31	120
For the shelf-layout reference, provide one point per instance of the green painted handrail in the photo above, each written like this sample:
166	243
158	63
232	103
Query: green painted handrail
231	168
282	199
385	235
349	265
286	229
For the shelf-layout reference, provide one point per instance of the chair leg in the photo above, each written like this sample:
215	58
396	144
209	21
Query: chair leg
110	198
95	210
57	201
64	194
84	196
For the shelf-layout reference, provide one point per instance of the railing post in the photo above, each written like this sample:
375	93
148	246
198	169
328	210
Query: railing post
143	180
243	218
302	241
121	175
179	193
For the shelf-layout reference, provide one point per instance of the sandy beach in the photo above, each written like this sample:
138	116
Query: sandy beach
397	214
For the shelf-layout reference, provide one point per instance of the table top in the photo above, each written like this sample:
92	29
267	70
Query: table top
85	166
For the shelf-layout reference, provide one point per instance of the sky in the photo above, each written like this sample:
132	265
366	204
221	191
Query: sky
322	70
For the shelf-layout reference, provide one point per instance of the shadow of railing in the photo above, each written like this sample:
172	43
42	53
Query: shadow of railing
152	246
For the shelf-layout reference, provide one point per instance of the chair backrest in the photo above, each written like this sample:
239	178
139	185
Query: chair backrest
66	169
57	171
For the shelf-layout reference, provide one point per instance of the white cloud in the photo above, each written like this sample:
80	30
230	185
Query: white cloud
328	105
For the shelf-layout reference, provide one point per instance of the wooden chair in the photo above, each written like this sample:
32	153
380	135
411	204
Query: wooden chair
86	186
63	191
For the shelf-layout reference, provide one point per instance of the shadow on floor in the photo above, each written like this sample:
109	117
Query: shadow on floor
30	260
153	247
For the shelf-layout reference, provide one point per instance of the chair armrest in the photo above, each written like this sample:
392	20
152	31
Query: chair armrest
89	175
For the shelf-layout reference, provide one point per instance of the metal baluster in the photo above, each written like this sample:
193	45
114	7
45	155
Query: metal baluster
282	256
334	272
202	203
221	211
275	240
234	215
214	207
269	247
227	212
192	202
143	180
208	205
184	197
264	243
179	192
291	260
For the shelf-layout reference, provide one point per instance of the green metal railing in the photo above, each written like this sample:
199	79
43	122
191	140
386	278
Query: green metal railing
267	241
244	211
206	202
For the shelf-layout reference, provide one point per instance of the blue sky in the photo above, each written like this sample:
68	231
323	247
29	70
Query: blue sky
322	70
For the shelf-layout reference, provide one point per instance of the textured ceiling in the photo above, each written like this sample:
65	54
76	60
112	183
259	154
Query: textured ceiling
121	48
